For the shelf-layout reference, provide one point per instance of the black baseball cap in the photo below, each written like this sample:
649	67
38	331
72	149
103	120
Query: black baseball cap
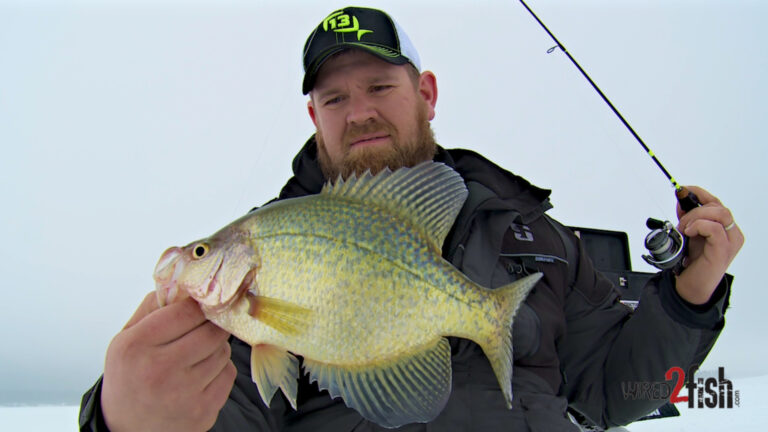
368	29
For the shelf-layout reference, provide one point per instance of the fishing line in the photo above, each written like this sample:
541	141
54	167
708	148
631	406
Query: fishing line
687	199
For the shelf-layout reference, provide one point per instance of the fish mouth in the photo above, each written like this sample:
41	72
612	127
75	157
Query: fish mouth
165	271
215	285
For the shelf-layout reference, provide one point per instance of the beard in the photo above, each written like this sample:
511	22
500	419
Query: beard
399	154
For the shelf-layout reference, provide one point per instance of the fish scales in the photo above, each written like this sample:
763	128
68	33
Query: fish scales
386	245
356	275
352	279
373	229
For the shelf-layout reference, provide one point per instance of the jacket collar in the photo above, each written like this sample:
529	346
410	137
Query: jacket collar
307	177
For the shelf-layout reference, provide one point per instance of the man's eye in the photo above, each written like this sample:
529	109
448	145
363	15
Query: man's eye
378	88
332	101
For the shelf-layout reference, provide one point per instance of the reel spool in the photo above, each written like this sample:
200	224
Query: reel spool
665	244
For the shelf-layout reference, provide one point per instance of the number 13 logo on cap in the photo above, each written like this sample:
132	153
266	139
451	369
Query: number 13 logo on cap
340	22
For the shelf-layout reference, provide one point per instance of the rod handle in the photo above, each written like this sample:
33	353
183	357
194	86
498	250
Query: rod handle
687	199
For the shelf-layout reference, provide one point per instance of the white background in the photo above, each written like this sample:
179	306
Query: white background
129	127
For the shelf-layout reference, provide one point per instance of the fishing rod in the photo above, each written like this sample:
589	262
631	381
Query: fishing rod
665	243
687	199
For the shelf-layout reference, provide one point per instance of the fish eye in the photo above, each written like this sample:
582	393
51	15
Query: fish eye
200	250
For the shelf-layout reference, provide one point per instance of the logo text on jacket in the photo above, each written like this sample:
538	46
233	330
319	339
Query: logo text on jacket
522	232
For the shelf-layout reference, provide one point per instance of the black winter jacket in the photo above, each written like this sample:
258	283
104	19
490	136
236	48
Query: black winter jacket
575	343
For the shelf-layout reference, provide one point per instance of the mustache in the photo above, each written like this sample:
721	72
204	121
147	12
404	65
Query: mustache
354	132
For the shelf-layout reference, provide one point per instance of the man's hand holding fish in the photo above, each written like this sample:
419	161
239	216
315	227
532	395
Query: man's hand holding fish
169	369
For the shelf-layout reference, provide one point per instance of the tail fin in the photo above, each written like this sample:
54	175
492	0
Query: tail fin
498	348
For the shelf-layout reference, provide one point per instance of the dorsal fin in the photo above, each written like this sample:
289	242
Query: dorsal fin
428	196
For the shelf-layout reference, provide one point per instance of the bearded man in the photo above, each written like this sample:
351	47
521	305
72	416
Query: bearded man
574	342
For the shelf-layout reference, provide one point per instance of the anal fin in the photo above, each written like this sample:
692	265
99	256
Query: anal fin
273	367
410	388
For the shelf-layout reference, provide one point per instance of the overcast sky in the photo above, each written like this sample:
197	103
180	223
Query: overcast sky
129	127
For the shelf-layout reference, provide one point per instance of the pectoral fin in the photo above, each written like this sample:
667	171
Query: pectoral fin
273	367
283	316
407	389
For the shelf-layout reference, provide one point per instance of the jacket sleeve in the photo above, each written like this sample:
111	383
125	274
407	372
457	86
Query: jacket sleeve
91	418
607	344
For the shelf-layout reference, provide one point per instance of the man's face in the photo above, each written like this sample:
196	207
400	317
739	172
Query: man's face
370	114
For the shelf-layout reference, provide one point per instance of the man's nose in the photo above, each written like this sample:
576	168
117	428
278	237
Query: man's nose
361	110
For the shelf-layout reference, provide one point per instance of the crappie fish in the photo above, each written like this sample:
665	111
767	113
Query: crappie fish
352	280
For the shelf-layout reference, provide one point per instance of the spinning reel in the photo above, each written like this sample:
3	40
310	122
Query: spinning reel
666	245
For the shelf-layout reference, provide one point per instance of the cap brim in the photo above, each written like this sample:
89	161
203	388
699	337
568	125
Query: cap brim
311	75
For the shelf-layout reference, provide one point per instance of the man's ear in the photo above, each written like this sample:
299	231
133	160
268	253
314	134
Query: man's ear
428	91
311	110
